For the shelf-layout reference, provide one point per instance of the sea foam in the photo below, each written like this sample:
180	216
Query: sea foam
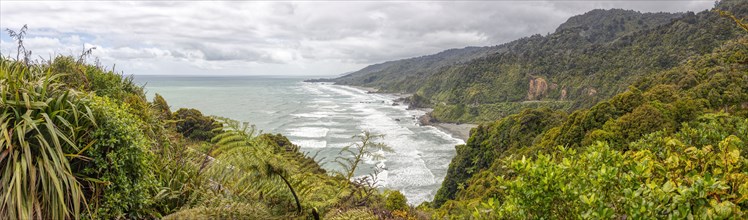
310	132
421	154
309	143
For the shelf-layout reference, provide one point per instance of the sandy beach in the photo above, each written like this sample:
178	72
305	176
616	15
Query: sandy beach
461	131
367	89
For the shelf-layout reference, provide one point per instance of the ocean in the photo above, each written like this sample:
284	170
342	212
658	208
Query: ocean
322	118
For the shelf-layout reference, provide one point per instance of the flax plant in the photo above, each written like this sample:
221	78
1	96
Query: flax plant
39	125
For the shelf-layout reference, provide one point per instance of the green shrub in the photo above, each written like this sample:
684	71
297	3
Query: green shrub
643	120
394	200
224	210
119	179
704	182
646	118
85	77
194	125
491	141
360	214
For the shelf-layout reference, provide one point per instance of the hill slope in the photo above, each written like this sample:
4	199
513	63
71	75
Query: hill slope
404	75
643	153
589	58
678	127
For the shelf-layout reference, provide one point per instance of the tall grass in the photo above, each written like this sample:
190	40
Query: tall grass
39	125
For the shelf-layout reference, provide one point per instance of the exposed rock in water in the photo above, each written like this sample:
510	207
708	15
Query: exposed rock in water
417	101
414	101
426	119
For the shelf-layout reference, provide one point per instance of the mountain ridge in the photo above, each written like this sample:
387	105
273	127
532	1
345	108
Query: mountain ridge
473	52
589	58
703	90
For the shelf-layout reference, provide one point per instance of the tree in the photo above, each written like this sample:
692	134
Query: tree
739	22
239	149
395	200
193	124
352	155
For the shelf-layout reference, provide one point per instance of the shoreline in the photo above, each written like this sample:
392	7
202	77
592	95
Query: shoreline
367	89
459	131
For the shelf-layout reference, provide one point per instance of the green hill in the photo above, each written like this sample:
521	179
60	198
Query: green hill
617	114
671	146
589	58
674	129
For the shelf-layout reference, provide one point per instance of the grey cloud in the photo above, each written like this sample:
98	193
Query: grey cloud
292	37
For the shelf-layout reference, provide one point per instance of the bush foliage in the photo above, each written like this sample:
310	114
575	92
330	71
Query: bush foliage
589	58
671	146
658	129
78	141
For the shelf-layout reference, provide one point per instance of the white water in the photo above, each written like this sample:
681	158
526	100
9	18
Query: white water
322	118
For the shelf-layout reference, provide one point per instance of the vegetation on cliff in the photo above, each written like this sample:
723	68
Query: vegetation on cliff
673	145
588	59
617	114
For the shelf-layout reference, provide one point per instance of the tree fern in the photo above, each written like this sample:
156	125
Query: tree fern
352	155
249	164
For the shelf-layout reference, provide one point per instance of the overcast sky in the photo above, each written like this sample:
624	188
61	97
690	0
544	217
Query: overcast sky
283	38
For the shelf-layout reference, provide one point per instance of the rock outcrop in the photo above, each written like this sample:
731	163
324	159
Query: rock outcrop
537	89
563	94
591	91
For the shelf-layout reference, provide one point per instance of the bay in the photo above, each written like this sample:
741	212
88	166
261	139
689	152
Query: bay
322	118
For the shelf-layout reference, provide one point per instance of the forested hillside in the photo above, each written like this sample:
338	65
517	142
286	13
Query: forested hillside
673	145
616	115
589	58
78	141
407	75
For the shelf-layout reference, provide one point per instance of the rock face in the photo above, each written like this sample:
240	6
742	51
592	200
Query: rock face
563	94
537	89
591	91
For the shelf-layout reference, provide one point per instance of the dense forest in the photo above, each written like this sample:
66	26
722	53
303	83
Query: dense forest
617	114
671	146
589	58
